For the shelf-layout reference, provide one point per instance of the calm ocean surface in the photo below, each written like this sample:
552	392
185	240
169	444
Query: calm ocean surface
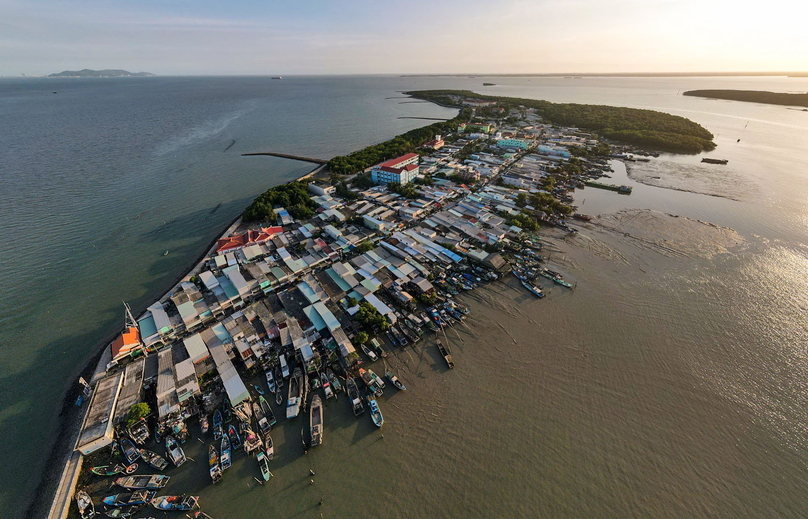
667	384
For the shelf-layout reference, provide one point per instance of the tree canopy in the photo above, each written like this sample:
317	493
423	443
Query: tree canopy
370	317
294	197
136	412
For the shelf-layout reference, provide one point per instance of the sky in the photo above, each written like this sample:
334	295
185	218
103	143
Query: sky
266	37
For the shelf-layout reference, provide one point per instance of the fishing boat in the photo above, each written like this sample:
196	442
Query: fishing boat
279	396
353	394
225	458
204	424
213	463
329	391
375	412
263	464
447	355
267	409
175	503
125	511
228	413
85	504
536	291
314	383
377	346
129	451
235	439
158	438
395	381
147	482
153	459
295	390
174	451
259	389
316	421
270	381
270	447
370	353
370	382
252	442
278	377
376	379
334	380
139	432
134	498
111	470
217	424
555	277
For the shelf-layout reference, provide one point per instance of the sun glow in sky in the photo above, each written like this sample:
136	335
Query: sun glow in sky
418	36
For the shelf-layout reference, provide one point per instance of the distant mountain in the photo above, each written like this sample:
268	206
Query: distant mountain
101	73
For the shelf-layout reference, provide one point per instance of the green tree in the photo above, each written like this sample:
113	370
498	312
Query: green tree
136	412
365	246
521	200
362	338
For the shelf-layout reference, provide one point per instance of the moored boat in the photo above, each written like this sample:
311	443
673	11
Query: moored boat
148	482
217	424
225	461
129	451
270	380
267	410
259	389
329	391
176	503
85	504
334	380
270	447
279	396
153	459
536	291
295	391
316	421
124	511
353	394
109	470
375	412
235	439
134	498
174	451
139	432
252	442
447	355
395	381
370	353
213	463
263	464
204	424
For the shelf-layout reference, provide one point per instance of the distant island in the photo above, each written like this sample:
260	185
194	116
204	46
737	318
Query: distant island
753	96
101	73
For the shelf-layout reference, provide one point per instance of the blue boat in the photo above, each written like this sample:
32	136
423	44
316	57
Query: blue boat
129	451
175	452
259	389
536	291
375	412
141	497
175	503
217	424
225	460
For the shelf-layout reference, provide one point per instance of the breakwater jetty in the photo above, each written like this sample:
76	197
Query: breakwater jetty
286	156
626	190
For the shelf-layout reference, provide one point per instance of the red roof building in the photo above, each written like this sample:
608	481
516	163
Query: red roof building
238	241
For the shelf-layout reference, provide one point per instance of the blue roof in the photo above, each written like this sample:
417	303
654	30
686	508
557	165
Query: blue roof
309	292
228	287
147	326
338	280
221	333
315	318
327	316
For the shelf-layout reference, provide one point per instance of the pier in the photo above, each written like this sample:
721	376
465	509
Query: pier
286	156
626	190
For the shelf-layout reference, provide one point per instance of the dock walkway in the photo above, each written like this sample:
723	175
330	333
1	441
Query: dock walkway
286	156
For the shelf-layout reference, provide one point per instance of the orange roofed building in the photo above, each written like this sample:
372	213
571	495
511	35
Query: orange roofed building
126	343
239	241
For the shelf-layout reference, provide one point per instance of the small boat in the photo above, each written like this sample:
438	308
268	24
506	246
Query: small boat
85	504
267	410
375	412
314	383
447	355
715	161
257	412
376	345
174	451
370	353
225	458
353	394
376	380
270	447
175	503
123	512
153	459
152	482
295	391
129	451
278	377
270	381
316	421
329	391
213	462
279	396
165	253
228	414
334	380
135	498
536	291
555	277
110	470
259	389
370	382
217	424
263	464
252	442
204	425
158	438
235	439
139	432
395	381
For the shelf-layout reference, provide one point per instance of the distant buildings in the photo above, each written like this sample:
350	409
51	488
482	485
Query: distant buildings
402	169
513	143
474	128
435	144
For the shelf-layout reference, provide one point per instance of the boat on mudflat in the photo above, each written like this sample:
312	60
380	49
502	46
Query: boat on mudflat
334	380
153	459
295	391
153	482
225	460
353	395
375	412
235	439
263	464
213	463
175	503
139	432
85	504
370	353
259	389
134	498
316	421
267	410
536	291
174	451
395	381
124	511
447	355
270	380
204	424
217	424
270	447
329	391
111	470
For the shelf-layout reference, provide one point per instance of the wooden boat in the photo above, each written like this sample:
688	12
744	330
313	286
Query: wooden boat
329	391
158	438
217	425
270	381
375	412
370	382
213	463
175	503
536	291
314	383
263	464
252	442
174	451
225	461
270	447
258	414
139	432
129	451
279	396
267	410
279	377
395	381
334	380
370	353
134	498
110	470
376	345
85	504
259	389
204	425
295	392
376	380
316	421
235	439
353	395
125	511
153	459
447	356
153	482
228	414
